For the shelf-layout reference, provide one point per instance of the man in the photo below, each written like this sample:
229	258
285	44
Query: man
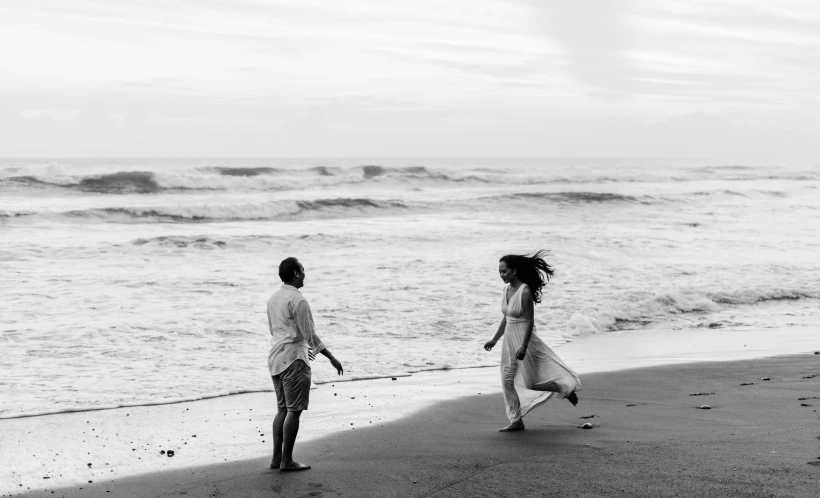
293	342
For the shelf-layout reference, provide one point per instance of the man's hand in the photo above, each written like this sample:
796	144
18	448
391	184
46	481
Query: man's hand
337	365
522	351
489	345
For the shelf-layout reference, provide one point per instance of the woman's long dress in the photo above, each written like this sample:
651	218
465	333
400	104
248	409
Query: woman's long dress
532	381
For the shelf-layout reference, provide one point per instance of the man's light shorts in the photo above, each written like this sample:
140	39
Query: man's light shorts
293	387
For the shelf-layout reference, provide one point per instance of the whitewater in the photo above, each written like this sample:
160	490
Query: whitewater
145	281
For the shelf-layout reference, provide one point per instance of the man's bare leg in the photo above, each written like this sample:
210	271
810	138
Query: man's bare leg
289	430
278	425
515	426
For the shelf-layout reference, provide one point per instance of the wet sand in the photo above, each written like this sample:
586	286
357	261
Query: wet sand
650	437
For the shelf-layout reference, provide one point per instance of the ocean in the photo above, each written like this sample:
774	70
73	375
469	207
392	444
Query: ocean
144	281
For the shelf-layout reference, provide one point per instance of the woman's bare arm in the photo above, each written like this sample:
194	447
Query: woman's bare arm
503	326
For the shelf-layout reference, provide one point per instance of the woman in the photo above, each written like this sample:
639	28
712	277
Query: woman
530	370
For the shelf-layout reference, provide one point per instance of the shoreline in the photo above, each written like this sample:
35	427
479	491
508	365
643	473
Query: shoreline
657	345
759	438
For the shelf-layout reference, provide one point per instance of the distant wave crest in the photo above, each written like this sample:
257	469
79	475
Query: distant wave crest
273	210
152	180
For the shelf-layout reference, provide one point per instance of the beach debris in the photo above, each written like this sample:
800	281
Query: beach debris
393	378
807	397
701	394
587	426
817	352
765	378
704	407
747	384
589	416
89	465
811	376
161	452
804	404
170	453
46	477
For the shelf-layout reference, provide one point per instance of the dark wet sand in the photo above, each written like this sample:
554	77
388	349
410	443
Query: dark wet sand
649	439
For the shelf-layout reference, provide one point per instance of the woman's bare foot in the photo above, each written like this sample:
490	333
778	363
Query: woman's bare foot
515	426
573	398
293	466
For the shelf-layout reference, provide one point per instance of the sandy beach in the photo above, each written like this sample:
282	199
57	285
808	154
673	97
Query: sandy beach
650	437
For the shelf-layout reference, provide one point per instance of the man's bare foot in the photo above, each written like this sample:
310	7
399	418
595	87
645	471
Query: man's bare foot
515	426
292	467
274	464
573	398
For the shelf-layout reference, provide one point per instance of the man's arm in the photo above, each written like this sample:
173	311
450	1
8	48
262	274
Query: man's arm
333	361
304	320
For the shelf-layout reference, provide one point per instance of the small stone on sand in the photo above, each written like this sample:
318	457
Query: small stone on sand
587	426
392	378
170	453
766	378
704	407
161	452
747	384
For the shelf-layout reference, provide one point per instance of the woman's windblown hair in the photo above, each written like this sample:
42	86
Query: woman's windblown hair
530	269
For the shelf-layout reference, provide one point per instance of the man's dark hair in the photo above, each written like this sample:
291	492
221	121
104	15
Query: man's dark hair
288	268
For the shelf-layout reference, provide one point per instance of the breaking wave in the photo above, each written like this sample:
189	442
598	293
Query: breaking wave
657	307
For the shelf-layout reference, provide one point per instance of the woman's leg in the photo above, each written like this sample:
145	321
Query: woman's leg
511	397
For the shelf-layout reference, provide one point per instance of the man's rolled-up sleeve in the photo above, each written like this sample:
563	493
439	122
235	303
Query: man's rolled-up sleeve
304	320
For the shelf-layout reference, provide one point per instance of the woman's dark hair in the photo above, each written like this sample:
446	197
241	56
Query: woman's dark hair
530	269
288	268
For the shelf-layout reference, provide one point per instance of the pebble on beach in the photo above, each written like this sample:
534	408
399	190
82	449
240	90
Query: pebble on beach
704	407
766	378
170	453
587	426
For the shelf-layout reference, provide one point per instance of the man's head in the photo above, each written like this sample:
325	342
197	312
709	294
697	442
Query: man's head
292	272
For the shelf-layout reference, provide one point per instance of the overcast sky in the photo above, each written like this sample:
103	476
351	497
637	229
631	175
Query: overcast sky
410	78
